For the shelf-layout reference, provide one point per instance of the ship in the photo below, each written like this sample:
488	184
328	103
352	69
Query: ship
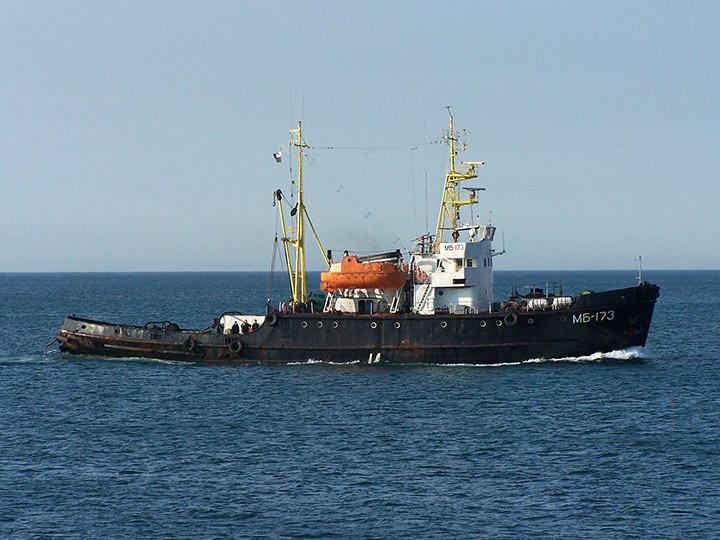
436	308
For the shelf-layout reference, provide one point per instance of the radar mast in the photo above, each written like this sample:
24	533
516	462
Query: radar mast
453	199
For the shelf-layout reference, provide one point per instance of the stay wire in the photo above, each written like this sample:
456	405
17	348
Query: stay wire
374	148
272	264
272	268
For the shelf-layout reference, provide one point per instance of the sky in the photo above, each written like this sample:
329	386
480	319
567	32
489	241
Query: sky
139	136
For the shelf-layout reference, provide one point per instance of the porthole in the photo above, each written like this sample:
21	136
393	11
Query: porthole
498	322
334	324
397	325
531	321
303	324
319	324
443	324
483	324
373	325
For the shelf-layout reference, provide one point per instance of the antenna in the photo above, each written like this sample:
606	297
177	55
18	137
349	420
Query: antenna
639	278
495	254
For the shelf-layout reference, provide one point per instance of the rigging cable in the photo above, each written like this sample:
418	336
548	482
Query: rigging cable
412	183
272	264
374	148
426	179
373	178
272	268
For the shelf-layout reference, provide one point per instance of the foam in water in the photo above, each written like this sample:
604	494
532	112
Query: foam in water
631	353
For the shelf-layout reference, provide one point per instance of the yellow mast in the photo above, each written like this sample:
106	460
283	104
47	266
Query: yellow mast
296	269
299	277
451	200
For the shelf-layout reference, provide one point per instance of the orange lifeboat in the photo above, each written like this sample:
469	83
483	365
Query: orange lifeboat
354	273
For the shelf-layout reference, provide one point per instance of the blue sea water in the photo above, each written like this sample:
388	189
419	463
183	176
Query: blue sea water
604	447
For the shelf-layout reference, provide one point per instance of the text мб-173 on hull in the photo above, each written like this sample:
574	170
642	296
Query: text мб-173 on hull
438	308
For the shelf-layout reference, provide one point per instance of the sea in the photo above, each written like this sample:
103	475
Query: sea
624	445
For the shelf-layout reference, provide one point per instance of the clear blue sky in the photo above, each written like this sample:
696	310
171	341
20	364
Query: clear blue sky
138	136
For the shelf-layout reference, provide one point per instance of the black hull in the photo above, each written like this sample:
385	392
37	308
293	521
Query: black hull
599	322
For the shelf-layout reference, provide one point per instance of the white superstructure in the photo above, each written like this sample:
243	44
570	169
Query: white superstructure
454	277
